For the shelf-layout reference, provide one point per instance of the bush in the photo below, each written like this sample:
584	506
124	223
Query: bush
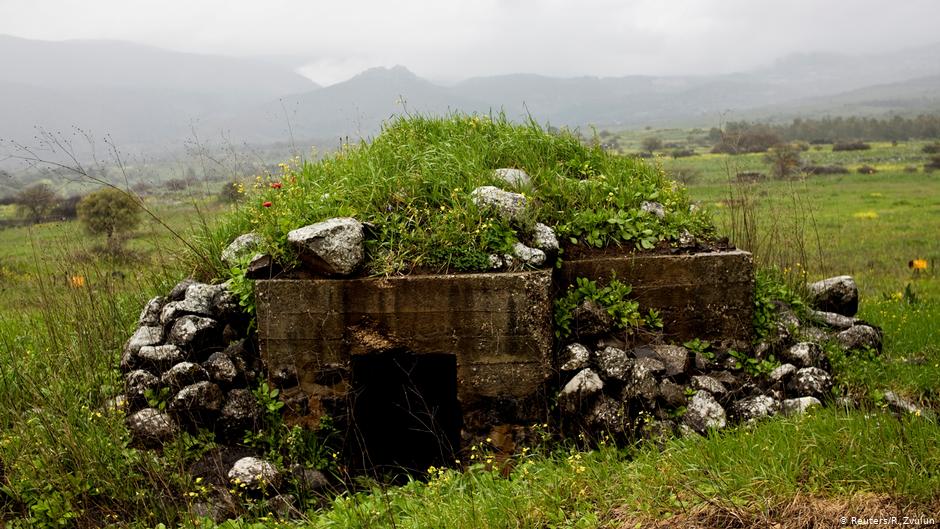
36	202
749	140
931	148
851	146
866	169
109	212
176	184
231	192
933	165
67	208
784	160
682	153
750	176
824	169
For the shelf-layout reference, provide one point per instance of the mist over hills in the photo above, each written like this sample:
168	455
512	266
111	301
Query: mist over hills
150	99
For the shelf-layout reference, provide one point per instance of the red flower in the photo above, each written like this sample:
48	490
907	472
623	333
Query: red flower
276	185
267	204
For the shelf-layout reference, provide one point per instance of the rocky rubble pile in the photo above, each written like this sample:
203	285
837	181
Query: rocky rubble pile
650	390
190	364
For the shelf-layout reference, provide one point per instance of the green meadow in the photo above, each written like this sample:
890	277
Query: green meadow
65	311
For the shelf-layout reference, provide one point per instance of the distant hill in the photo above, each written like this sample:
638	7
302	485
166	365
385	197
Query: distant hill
149	98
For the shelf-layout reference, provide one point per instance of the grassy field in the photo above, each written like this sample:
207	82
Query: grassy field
65	462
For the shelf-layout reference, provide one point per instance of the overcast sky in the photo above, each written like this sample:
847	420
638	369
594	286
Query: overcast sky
447	40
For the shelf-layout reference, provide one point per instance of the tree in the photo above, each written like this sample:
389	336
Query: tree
110	212
651	143
36	201
784	159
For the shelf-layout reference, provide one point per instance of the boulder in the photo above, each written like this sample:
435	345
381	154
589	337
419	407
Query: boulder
642	382
222	370
197	401
150	315
243	245
254	473
308	479
136	384
544	238
782	372
179	291
183	374
799	406
193	332
151	426
836	294
674	357
591	319
262	266
583	387
513	177
754	408
672	394
900	404
240	411
529	256
805	354
704	413
609	415
654	208
575	357
810	382
860	337
334	247
613	363
160	357
142	337
507	204
709	384
832	319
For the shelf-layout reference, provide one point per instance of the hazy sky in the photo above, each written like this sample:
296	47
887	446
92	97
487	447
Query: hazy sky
446	40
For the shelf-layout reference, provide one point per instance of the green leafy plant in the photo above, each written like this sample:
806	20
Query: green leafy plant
613	297
770	288
756	367
157	398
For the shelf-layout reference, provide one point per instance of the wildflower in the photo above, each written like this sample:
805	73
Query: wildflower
918	264
267	204
77	281
275	185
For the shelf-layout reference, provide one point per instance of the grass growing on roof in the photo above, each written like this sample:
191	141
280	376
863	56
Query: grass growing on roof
413	185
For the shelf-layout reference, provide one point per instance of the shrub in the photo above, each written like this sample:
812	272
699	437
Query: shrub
651	143
866	169
36	201
931	148
67	208
824	169
176	184
933	165
850	146
109	212
784	160
750	176
231	192
682	153
748	140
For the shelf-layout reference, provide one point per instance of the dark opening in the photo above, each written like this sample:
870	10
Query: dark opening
405	412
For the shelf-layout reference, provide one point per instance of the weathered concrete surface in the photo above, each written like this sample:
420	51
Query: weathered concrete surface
499	327
701	295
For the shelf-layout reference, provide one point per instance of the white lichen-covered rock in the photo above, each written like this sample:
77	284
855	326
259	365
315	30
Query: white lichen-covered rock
832	319
136	384
543	238
332	247
509	205
221	368
754	408
609	415
183	374
529	256
805	354
860	337
192	331
243	245
900	404
253	473
514	177
704	413
151	426
799	406
614	363
674	357
197	399
142	337
150	315
582	387
240	411
199	299
160	356
836	294
782	372
641	380
810	382
654	208
709	384
575	357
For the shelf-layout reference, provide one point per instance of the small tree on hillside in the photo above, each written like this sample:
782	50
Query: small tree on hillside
784	160
109	212
651	143
36	202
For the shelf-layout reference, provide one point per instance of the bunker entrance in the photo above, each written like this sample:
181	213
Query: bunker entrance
405	412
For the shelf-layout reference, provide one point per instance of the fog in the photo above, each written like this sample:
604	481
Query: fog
448	41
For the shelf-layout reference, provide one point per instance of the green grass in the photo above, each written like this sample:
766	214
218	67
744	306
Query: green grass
66	462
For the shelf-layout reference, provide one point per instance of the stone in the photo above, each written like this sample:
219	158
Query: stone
507	204
583	387
836	294
672	394
544	238
805	354
781	372
832	319
709	384
591	319
575	357
183	374
179	291
198	299
160	356
151	426
900	404
197	401
308	479
221	369
513	177
727	379
608	415
812	334
654	208
225	303
529	256
860	337
642	382
142	337
704	413
240	411
335	247
496	262
243	245
754	408
136	384
262	266
150	315
613	363
799	406
193	332
115	404
674	357
810	382
254	473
